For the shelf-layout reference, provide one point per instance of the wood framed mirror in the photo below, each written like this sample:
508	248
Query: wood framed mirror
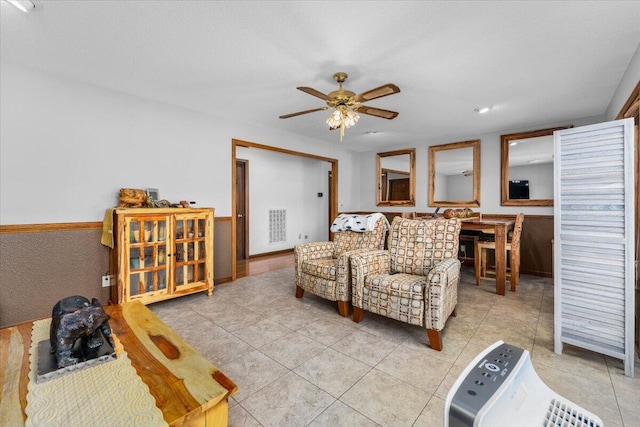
396	181
454	174
526	168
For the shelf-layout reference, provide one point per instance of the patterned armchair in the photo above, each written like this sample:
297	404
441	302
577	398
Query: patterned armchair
416	280
322	268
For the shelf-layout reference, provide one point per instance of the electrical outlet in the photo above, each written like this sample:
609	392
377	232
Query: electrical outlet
106	281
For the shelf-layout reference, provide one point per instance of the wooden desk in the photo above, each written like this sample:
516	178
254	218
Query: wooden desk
163	361
500	227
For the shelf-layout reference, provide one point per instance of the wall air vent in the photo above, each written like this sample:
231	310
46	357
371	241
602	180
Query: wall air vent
277	225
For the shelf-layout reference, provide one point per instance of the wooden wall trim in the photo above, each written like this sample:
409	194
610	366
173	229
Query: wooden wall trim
58	226
266	254
241	143
64	226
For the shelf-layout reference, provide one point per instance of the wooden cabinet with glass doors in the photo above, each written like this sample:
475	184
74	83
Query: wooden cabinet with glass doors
163	253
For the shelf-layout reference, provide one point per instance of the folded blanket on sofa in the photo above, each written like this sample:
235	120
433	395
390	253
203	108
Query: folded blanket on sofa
359	223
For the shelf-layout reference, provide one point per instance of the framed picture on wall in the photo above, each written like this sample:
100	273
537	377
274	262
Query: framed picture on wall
153	193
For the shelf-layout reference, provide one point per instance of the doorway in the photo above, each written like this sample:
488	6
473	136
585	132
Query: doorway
333	193
242	209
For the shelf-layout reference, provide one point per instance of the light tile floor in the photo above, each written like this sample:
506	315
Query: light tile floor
298	363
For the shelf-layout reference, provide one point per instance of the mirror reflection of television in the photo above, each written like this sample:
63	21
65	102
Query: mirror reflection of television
519	189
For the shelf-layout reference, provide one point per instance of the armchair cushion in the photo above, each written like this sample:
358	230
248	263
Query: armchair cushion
417	246
325	268
371	240
398	296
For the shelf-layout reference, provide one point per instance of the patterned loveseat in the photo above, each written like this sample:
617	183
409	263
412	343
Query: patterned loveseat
322	268
416	280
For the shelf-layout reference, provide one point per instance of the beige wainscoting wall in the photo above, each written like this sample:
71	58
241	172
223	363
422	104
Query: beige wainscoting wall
43	263
535	243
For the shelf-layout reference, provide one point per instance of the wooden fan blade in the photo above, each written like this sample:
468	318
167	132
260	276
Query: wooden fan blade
299	113
312	91
378	112
379	92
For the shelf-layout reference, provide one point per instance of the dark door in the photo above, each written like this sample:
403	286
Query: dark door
399	189
242	203
329	205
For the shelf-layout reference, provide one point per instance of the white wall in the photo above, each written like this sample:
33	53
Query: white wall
626	85
66	148
285	181
459	187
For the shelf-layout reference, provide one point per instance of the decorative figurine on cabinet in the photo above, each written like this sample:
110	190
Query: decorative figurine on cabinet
132	198
74	318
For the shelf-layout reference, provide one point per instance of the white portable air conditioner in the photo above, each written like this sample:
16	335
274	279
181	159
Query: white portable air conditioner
500	388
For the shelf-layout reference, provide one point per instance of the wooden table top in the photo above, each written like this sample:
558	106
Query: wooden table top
183	383
487	225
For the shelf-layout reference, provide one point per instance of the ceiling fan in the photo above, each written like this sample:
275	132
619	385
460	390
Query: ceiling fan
347	104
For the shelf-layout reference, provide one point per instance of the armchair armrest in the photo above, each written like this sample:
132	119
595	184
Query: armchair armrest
344	268
365	264
311	251
442	292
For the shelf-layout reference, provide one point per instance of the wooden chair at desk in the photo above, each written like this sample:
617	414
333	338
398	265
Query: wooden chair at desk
513	249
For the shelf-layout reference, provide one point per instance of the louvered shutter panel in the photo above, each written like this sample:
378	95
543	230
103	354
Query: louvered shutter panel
593	239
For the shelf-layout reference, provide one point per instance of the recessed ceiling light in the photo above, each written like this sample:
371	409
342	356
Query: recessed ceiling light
23	5
482	110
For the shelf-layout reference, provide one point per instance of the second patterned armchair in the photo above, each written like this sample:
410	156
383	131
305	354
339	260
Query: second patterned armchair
416	280
322	268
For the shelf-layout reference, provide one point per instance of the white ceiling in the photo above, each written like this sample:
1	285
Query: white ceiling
533	62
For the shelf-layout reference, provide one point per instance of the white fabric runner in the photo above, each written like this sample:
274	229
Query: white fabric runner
109	394
359	223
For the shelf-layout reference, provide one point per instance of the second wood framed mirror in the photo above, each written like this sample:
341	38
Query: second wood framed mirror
396	181
526	168
454	174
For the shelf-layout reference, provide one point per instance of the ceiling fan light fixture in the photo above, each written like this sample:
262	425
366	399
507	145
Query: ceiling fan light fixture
23	5
346	104
343	118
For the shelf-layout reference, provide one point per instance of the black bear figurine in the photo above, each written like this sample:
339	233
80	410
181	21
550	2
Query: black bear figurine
74	318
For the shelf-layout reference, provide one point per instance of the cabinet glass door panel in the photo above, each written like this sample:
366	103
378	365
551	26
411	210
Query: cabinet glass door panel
134	284
161	259
180	252
161	279
201	272
200	228
150	231
191	253
180	276
134	232
148	257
